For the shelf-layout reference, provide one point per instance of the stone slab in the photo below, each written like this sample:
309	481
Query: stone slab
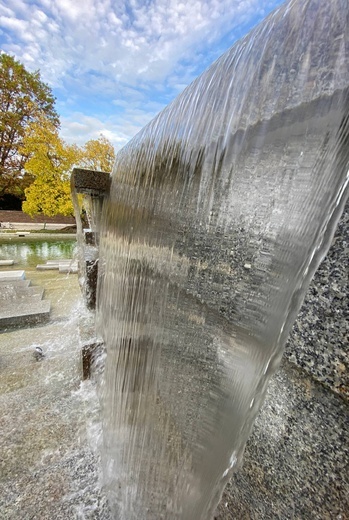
61	267
45	267
21	304
6	262
21	315
20	292
90	237
12	275
18	283
54	262
20	307
67	268
90	352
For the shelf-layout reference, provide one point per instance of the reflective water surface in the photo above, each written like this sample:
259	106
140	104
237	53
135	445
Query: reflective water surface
219	213
29	252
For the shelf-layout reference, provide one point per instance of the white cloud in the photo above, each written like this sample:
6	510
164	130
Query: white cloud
79	127
5	11
126	54
145	39
13	24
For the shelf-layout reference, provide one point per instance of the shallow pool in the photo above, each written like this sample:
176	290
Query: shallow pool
28	252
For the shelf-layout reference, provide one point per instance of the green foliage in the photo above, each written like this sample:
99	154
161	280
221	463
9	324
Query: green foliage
24	99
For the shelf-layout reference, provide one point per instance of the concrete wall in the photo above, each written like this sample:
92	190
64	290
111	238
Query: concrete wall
297	459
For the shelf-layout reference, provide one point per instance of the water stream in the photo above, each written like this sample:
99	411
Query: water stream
219	213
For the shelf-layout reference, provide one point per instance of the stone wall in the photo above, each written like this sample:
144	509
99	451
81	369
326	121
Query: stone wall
297	458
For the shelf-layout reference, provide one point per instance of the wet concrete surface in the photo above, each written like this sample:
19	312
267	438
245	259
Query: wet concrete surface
48	418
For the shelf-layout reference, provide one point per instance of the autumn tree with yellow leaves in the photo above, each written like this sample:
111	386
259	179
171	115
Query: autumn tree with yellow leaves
34	159
98	154
50	163
24	99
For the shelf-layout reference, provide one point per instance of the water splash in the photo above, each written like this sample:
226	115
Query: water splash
219	213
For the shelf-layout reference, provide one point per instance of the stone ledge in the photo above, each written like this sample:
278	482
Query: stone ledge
91	182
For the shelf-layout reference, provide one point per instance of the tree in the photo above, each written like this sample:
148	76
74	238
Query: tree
24	99
98	154
49	196
49	161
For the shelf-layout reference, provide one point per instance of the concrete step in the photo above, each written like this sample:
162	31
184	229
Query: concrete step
22	315
12	275
18	283
47	267
21	304
68	268
64	266
12	292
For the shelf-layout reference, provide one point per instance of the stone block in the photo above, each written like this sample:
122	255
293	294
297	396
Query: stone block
12	275
90	237
6	262
21	305
90	352
91	182
25	314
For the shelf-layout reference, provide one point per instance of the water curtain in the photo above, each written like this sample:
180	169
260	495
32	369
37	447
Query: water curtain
219	213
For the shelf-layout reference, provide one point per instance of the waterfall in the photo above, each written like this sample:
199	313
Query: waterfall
219	213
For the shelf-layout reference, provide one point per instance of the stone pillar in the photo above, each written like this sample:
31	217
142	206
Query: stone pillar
94	185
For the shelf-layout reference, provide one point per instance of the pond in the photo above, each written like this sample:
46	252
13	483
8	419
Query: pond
27	252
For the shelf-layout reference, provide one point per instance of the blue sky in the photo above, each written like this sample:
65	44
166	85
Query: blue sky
114	64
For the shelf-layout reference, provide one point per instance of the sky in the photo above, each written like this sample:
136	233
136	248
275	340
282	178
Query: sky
114	64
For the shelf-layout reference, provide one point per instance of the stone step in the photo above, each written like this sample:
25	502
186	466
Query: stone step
18	283
47	267
21	304
73	268
12	275
64	266
6	262
11	292
17	314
